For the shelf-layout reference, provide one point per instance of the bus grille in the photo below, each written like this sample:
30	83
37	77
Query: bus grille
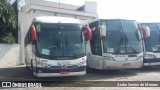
61	67
70	67
56	67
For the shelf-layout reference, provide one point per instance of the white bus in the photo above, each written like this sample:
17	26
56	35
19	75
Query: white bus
55	46
152	45
115	44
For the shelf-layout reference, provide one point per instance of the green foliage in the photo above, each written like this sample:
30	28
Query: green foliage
8	39
7	22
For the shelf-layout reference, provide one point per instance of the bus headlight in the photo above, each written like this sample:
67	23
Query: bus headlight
45	65
109	58
81	63
148	56
140	57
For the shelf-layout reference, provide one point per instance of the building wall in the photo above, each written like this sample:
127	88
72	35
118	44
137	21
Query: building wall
90	7
9	55
65	15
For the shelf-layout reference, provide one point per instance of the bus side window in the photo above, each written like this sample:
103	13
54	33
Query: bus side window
94	24
28	37
96	41
96	45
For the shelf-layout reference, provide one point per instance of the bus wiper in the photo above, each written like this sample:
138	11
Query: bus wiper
122	40
121	43
61	36
66	42
66	51
126	39
127	44
60	33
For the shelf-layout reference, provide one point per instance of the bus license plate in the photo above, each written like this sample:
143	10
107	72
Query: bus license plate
64	72
126	64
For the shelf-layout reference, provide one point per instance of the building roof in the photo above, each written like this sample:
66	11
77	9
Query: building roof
55	19
54	4
58	8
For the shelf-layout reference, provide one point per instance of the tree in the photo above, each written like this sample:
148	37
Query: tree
7	22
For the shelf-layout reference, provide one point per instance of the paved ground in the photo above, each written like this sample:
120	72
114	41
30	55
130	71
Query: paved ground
21	73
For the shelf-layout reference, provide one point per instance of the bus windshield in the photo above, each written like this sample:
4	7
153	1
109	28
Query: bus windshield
122	37
152	43
60	39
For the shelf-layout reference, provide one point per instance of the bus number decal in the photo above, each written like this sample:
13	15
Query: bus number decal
120	56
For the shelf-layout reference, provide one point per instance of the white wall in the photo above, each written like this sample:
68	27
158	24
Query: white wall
9	55
90	6
66	15
24	22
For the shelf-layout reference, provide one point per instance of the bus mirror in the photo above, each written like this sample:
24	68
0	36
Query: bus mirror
145	31
87	33
33	32
103	30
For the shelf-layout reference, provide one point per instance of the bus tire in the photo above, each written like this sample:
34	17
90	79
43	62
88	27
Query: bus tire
88	69
32	65
32	69
26	64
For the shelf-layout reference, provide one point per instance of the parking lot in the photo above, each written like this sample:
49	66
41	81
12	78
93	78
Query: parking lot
21	73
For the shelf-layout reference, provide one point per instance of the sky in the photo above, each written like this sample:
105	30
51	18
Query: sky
139	10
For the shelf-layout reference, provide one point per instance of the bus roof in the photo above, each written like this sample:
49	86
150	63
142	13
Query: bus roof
97	19
151	23
119	19
55	19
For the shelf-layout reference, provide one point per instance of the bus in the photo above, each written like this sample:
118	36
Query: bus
115	44
152	45
55	46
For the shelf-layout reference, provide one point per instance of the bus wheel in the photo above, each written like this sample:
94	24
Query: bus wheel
26	64
33	69
32	65
88	69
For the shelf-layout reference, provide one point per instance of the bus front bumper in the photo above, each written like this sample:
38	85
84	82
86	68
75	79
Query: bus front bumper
48	72
122	65
59	74
151	62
